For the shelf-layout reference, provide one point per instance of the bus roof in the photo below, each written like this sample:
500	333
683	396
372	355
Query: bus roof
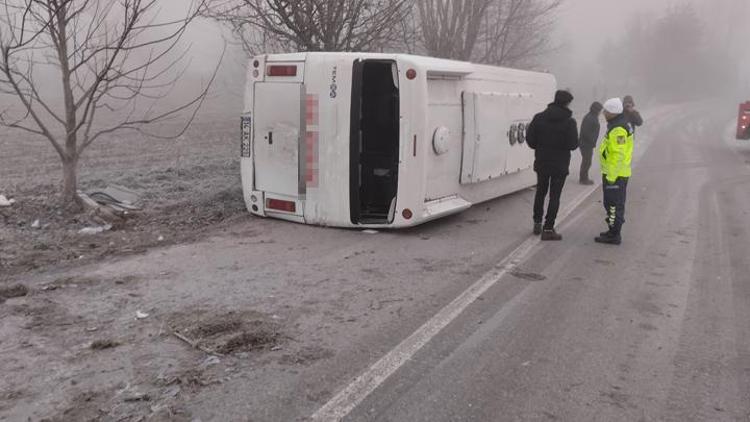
432	65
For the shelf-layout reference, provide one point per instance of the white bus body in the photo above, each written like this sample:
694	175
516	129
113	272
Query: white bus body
378	140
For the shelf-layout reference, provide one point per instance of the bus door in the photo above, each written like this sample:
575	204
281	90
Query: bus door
374	147
278	127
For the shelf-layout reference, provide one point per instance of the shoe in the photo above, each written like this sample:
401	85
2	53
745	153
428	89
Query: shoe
551	234
609	238
587	182
537	228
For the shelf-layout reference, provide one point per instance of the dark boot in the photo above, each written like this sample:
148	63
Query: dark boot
537	228
551	234
609	238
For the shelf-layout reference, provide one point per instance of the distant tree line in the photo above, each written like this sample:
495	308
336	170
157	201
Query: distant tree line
673	57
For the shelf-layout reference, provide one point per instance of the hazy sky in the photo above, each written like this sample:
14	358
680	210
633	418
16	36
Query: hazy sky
582	27
586	24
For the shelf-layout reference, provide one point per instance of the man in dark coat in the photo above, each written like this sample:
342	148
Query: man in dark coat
587	140
633	116
552	134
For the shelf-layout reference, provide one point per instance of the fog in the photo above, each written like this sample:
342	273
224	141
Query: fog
583	31
594	52
587	28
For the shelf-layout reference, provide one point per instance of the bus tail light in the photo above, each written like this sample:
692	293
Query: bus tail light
282	70
407	214
280	205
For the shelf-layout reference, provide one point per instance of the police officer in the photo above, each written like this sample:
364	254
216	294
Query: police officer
616	153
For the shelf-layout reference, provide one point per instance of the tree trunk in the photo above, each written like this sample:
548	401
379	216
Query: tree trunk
70	180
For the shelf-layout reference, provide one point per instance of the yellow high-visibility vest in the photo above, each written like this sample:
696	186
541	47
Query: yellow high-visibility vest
616	153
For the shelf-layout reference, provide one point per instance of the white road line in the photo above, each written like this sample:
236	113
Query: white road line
350	397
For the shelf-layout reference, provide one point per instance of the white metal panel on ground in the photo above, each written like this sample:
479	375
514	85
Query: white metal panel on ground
277	137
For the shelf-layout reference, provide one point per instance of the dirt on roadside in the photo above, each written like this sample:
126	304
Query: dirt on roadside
188	187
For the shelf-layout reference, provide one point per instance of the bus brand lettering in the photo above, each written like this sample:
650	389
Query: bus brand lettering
334	87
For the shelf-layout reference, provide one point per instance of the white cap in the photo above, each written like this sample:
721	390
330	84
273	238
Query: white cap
614	106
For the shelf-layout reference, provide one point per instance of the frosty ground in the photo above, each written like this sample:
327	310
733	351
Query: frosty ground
248	319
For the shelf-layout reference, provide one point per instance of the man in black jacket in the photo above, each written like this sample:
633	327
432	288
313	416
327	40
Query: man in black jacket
552	134
634	117
587	141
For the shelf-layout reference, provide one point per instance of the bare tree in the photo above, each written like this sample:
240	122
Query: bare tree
310	25
516	32
114	60
450	28
500	32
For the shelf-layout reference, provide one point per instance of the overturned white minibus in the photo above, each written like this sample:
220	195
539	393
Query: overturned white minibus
378	140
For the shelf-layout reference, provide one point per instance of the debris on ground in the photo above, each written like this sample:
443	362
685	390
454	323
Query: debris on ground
118	198
133	394
171	392
5	202
179	219
140	315
210	361
36	224
105	344
194	344
137	397
249	340
99	212
229	333
528	276
95	230
16	290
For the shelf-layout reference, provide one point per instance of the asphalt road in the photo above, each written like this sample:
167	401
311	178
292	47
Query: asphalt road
657	329
468	318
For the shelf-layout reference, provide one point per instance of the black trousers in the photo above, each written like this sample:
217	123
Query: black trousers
615	195
554	185
586	154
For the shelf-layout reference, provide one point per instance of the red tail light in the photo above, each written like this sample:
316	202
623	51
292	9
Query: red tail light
279	205
279	70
